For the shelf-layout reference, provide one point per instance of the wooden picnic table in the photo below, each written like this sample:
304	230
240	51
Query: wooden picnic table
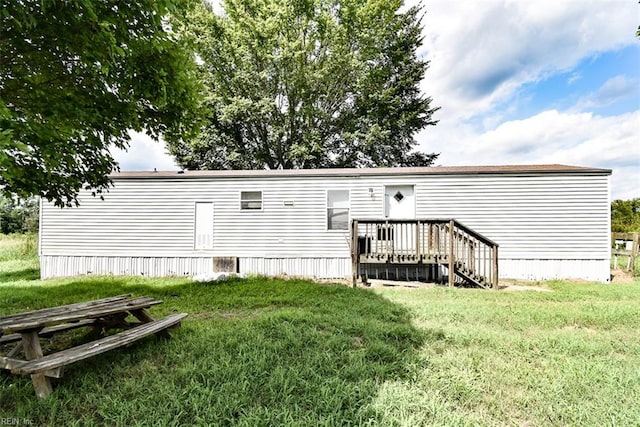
27	329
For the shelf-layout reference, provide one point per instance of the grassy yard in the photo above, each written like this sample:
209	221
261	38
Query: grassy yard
274	352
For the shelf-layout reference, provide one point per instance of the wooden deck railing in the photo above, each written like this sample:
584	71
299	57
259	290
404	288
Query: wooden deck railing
467	254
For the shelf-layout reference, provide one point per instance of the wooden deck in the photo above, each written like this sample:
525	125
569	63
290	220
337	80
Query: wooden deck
400	244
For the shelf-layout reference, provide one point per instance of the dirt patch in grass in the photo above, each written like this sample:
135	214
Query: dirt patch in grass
504	286
514	287
621	276
376	283
577	327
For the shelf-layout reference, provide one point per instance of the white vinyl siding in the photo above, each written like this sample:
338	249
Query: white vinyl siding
203	228
337	209
530	217
156	218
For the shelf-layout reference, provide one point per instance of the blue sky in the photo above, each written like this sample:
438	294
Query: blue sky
521	82
565	90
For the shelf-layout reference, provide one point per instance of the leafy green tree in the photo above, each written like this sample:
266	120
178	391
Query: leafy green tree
625	216
19	216
308	84
75	78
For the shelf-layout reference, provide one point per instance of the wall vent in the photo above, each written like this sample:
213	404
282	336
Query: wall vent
225	264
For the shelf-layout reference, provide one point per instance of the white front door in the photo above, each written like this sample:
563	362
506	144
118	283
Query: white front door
399	202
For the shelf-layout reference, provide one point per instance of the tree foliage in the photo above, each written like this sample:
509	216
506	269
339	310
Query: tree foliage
75	78
308	84
19	216
625	216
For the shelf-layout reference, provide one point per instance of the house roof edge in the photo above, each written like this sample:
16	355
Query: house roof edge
355	172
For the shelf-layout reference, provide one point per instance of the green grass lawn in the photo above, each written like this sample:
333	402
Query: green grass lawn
275	352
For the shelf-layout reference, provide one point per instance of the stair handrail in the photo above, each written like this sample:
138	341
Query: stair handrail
458	232
475	234
491	275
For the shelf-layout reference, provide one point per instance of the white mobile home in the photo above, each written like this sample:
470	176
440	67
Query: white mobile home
550	221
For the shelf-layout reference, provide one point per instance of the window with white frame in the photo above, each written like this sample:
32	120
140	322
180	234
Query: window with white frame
250	200
338	209
203	235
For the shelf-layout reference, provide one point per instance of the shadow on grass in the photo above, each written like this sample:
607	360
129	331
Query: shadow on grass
254	352
24	274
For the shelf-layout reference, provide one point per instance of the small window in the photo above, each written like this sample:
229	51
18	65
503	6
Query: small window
338	209
250	200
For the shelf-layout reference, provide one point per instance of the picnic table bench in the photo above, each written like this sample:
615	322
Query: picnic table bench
101	315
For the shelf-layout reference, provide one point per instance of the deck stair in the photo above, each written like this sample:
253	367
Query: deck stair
468	256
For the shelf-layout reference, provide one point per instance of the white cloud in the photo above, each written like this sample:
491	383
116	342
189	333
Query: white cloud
574	78
612	90
144	154
481	52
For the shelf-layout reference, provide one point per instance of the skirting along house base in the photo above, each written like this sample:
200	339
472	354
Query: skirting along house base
550	222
